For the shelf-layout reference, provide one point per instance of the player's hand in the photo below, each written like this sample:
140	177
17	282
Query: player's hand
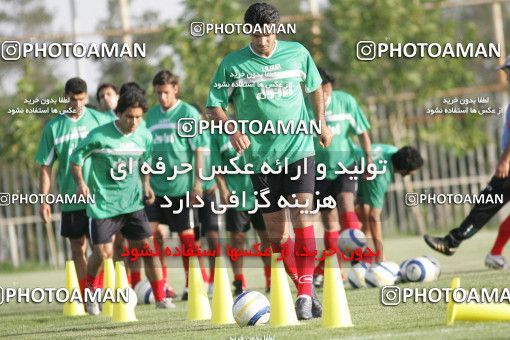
224	196
239	141
503	169
45	212
197	192
326	136
82	189
150	197
368	160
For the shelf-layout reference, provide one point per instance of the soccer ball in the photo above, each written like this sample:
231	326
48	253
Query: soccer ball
436	263
351	239
144	293
382	274
133	299
421	269
356	276
251	308
402	276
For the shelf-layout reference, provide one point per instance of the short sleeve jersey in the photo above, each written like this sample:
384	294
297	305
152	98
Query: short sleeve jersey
506	130
268	89
59	138
345	118
171	148
372	192
108	148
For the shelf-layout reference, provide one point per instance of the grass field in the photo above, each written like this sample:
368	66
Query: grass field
371	319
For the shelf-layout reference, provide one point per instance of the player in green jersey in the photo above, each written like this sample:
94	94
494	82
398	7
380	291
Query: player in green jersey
107	96
264	82
117	151
389	160
345	119
60	136
173	149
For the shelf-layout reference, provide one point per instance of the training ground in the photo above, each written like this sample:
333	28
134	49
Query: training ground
371	319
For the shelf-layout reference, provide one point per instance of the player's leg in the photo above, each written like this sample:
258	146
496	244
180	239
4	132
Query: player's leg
210	229
494	259
201	259
374	222
479	215
257	221
346	187
237	224
330	221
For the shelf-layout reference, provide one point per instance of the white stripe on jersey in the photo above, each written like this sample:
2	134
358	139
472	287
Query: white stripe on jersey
162	126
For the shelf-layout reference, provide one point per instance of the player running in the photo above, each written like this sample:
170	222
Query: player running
265	81
173	148
344	118
117	151
59	138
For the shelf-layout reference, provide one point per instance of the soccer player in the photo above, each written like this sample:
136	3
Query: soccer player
238	220
107	96
59	138
389	160
344	118
265	81
173	148
119	192
481	213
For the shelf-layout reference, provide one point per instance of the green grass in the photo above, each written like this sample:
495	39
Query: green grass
370	318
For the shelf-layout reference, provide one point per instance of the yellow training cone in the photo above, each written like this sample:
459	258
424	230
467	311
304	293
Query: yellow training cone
109	283
282	306
222	300
122	311
198	301
335	311
72	308
472	311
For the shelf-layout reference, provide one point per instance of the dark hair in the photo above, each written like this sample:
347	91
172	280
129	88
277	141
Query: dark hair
131	86
105	86
165	77
407	159
131	99
261	13
75	86
326	76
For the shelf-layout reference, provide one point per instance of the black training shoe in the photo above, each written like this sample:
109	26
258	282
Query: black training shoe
185	295
316	306
445	245
238	287
304	307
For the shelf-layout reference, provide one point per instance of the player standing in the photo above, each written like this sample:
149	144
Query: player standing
60	136
277	69
107	96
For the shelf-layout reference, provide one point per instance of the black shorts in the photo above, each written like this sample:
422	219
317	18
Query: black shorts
343	183
204	218
239	221
281	184
133	226
176	222
74	224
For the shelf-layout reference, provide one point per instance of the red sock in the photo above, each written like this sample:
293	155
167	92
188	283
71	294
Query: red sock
135	277
187	242
205	277
267	274
289	260
158	289
211	275
100	279
83	285
305	238
240	277
349	220
331	242
502	238
91	282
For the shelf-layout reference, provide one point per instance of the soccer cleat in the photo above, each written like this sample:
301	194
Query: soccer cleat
318	280
268	290
445	245
304	307
495	262
238	287
92	308
185	295
166	303
316	306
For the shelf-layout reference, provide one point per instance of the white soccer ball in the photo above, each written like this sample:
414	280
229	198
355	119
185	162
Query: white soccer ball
436	264
144	293
356	276
351	239
402	277
133	299
251	308
421	269
382	274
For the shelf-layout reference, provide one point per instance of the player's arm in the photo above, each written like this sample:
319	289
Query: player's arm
81	186
239	141
44	188
317	99
150	197
503	168
222	187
